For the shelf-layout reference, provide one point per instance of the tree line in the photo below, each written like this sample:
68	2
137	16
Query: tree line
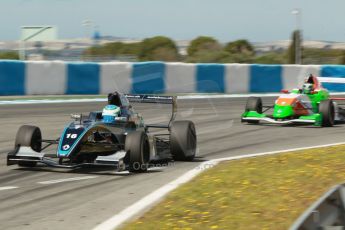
202	49
206	49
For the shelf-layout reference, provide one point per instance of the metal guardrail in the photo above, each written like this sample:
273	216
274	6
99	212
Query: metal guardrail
326	213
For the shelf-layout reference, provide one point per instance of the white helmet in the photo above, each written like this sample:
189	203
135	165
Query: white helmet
110	112
307	88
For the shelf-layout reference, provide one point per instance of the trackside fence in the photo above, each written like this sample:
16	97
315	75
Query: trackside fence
57	77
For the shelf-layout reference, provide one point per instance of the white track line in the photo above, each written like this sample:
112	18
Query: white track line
141	205
67	180
50	101
185	97
215	96
7	188
210	96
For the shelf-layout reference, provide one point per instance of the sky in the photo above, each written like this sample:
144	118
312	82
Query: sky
226	20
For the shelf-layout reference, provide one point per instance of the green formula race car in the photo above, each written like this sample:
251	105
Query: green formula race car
310	105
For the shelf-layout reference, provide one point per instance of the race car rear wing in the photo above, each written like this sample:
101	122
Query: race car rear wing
338	80
156	99
331	80
141	98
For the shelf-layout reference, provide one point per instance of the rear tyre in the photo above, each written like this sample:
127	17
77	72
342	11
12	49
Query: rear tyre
326	109
138	151
29	136
183	140
254	104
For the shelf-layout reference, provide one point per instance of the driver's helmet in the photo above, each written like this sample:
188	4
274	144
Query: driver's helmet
110	112
307	88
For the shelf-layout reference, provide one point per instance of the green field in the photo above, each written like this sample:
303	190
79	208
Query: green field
267	192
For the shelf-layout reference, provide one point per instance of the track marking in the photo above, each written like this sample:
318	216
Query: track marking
157	195
7	188
49	101
184	97
215	96
67	180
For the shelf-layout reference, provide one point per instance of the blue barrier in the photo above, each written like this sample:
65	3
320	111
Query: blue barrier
148	77
336	71
210	78
83	78
265	78
12	78
20	78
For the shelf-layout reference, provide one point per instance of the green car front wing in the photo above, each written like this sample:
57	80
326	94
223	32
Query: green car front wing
252	116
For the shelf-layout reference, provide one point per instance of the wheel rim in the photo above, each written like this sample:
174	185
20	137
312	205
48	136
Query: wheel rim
36	142
144	157
191	140
332	113
259	109
144	151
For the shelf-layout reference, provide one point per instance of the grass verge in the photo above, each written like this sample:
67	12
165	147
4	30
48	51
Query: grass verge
267	192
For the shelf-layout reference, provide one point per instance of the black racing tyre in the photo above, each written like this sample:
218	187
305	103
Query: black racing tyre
28	164
254	104
326	109
183	140
138	151
29	136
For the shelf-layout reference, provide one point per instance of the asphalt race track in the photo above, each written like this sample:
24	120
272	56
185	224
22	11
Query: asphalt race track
47	198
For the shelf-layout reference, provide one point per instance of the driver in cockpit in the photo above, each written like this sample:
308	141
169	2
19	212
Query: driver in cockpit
307	88
110	113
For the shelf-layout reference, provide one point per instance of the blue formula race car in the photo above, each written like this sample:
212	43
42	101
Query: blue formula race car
116	136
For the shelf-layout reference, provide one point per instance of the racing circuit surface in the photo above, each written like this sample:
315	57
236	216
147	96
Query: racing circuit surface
48	198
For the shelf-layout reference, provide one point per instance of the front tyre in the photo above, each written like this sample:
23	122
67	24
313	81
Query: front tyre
327	111
254	104
183	140
138	151
29	136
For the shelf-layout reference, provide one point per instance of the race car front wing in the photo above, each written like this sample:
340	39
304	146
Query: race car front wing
270	120
27	154
314	119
